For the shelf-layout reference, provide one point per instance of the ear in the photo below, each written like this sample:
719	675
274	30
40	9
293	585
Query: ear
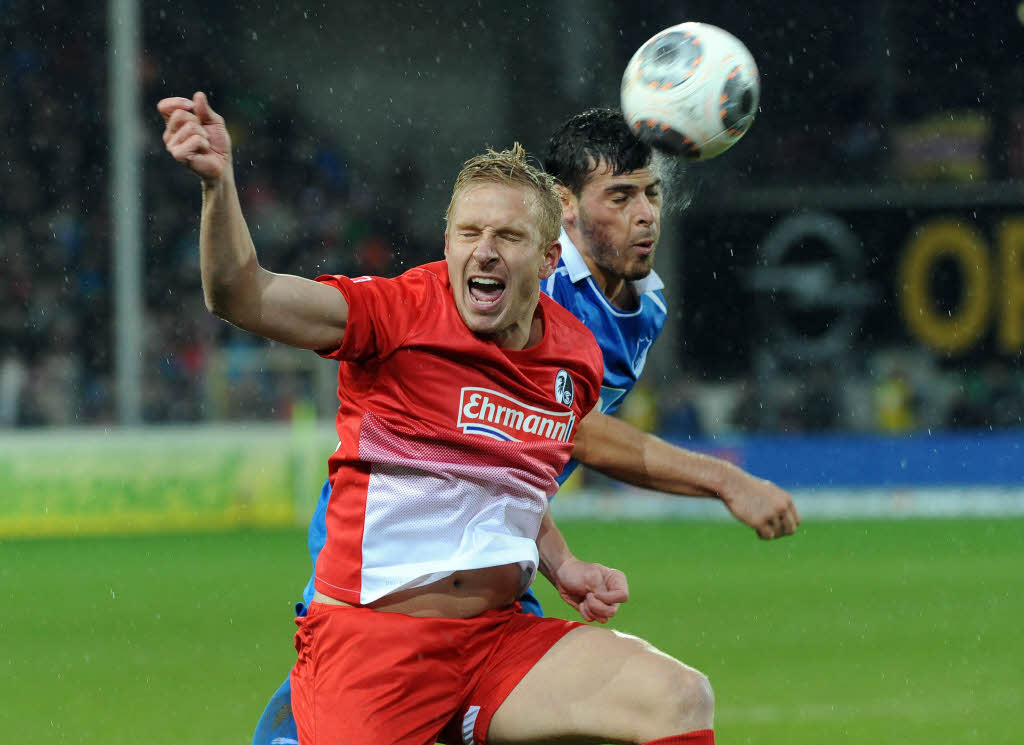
570	205
552	253
446	244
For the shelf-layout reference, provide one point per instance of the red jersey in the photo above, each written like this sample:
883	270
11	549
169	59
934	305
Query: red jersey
448	445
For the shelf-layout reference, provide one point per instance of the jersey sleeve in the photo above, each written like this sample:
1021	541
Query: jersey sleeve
382	312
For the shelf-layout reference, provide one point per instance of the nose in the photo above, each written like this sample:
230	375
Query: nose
646	212
485	251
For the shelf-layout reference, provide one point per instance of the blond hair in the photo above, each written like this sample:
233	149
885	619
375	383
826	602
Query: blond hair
511	168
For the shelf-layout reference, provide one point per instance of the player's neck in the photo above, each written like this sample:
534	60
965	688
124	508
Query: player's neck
616	288
625	298
536	329
522	335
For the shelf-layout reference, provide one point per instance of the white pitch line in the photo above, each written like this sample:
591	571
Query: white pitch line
919	709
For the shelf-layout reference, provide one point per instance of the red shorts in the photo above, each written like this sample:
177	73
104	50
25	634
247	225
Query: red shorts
365	677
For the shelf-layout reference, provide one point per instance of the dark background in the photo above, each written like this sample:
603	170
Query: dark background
350	120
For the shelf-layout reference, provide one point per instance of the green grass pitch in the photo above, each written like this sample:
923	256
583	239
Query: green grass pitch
850	632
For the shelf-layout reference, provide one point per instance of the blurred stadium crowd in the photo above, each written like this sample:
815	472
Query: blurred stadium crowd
309	203
302	199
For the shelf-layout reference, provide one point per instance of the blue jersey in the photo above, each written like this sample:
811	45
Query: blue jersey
624	337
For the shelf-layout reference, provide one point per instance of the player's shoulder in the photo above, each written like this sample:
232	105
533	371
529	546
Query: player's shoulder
574	348
432	274
434	271
420	283
559	316
569	332
397	299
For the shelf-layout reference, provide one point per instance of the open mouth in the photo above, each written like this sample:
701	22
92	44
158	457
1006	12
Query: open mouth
485	290
644	247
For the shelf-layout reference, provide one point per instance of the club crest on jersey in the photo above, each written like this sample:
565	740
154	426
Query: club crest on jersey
493	414
643	346
564	390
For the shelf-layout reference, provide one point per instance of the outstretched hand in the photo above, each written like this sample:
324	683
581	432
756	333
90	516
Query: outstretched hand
196	136
592	589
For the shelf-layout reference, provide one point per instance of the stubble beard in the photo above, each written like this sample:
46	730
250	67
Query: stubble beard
612	260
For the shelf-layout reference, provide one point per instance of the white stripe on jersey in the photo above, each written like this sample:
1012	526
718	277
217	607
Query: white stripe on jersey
657	301
468	724
430	510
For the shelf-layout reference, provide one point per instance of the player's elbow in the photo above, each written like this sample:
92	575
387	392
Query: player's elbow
232	289
218	301
213	303
228	304
234	296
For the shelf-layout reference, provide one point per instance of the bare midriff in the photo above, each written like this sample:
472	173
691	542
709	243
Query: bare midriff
464	594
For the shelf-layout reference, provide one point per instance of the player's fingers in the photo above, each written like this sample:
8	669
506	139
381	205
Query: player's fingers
193	146
789	523
599	610
789	507
184	150
584	612
184	132
781	524
615	589
177	120
202	108
785	527
167	106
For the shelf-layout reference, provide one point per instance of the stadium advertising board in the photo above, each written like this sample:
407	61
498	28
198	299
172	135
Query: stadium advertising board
159	479
811	285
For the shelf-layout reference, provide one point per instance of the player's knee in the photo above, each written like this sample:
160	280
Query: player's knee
695	700
684	700
672	697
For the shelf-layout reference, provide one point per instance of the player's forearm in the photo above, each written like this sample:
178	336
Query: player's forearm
552	548
676	470
626	453
227	256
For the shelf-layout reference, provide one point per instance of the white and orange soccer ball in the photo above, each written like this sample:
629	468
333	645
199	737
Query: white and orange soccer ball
691	89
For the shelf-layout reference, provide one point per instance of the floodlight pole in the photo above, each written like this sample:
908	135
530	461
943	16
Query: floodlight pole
126	204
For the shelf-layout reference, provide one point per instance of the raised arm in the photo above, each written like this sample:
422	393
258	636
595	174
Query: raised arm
283	307
624	452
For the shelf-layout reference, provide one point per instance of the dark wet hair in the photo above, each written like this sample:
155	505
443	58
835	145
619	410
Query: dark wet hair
581	143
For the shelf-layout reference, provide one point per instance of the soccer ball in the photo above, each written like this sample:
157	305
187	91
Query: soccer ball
692	90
